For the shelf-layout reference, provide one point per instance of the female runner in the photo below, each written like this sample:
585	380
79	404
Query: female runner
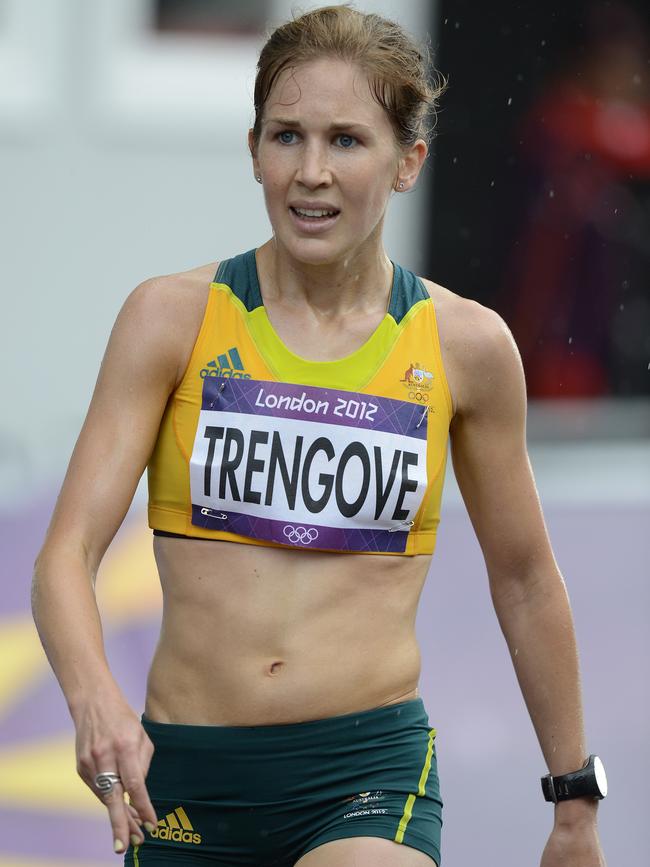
292	405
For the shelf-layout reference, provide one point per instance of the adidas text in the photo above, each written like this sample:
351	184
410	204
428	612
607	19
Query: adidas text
227	372
176	835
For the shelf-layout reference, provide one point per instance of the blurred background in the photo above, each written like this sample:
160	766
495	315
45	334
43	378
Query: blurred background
123	155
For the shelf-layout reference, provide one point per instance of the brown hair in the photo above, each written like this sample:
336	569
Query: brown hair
397	69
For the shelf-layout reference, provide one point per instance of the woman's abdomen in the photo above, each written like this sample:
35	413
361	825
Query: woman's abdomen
277	639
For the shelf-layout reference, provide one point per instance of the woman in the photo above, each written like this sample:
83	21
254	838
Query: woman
299	397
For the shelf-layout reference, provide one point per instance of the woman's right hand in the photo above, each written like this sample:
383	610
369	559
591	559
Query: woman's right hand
110	738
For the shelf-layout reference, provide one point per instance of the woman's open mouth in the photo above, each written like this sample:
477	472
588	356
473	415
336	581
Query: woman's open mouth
314	219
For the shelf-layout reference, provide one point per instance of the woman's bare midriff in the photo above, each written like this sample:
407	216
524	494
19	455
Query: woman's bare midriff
260	636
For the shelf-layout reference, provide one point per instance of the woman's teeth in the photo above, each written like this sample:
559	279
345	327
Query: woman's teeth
305	212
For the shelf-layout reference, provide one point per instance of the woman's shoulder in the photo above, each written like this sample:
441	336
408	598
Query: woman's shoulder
167	310
177	299
169	294
464	323
475	341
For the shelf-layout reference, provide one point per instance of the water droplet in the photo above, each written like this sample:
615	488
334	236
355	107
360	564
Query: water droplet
509	101
491	183
455	160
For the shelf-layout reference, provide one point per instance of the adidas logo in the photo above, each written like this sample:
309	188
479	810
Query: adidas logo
176	826
228	364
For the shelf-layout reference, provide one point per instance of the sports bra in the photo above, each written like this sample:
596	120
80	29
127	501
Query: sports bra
262	447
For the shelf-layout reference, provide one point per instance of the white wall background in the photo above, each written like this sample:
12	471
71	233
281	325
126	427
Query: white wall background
122	155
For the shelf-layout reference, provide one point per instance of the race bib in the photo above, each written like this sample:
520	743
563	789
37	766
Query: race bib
308	466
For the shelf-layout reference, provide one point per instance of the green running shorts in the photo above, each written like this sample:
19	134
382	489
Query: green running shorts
263	796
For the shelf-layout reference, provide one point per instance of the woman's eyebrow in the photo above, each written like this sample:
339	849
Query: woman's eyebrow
338	125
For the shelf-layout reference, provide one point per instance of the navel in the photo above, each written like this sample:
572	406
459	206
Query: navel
274	668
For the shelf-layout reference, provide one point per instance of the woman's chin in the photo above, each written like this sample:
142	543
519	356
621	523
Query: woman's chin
314	251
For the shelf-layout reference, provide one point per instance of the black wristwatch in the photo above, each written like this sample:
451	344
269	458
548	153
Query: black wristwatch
589	782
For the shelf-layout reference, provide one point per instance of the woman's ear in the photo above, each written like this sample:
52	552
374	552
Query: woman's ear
252	147
410	164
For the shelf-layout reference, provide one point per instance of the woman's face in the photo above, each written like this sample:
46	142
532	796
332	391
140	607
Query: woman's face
326	145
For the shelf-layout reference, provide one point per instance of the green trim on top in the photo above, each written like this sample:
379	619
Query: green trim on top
407	290
240	275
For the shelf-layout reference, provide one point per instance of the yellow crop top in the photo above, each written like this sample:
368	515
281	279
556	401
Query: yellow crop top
262	447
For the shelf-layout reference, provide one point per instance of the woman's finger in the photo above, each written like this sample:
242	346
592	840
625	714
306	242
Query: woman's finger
118	816
133	813
133	776
136	834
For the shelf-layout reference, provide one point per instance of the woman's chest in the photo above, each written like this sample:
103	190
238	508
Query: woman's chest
323	339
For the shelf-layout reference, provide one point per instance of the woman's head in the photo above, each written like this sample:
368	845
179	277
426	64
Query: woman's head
397	69
343	111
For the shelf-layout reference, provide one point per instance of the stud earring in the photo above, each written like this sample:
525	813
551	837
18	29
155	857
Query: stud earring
401	185
258	178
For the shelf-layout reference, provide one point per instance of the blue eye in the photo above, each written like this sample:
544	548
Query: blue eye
345	141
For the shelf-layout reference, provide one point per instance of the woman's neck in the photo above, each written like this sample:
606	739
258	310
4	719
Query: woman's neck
361	282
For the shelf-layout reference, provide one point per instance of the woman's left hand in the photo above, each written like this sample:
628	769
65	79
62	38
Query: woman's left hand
573	846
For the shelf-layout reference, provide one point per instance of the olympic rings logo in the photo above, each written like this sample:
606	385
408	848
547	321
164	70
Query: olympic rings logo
417	395
300	534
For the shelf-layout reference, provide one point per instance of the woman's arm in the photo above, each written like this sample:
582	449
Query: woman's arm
494	475
139	370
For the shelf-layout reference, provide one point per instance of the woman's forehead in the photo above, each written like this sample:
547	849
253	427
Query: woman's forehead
328	86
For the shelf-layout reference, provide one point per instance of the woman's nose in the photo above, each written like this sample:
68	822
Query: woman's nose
314	170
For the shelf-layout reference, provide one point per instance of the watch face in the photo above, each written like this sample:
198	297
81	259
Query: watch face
601	778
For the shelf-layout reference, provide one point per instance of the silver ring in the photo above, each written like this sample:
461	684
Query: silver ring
106	782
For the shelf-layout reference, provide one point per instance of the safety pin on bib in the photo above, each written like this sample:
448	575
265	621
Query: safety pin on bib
400	526
221	388
422	417
210	514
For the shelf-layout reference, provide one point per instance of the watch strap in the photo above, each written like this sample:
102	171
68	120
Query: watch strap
578	784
